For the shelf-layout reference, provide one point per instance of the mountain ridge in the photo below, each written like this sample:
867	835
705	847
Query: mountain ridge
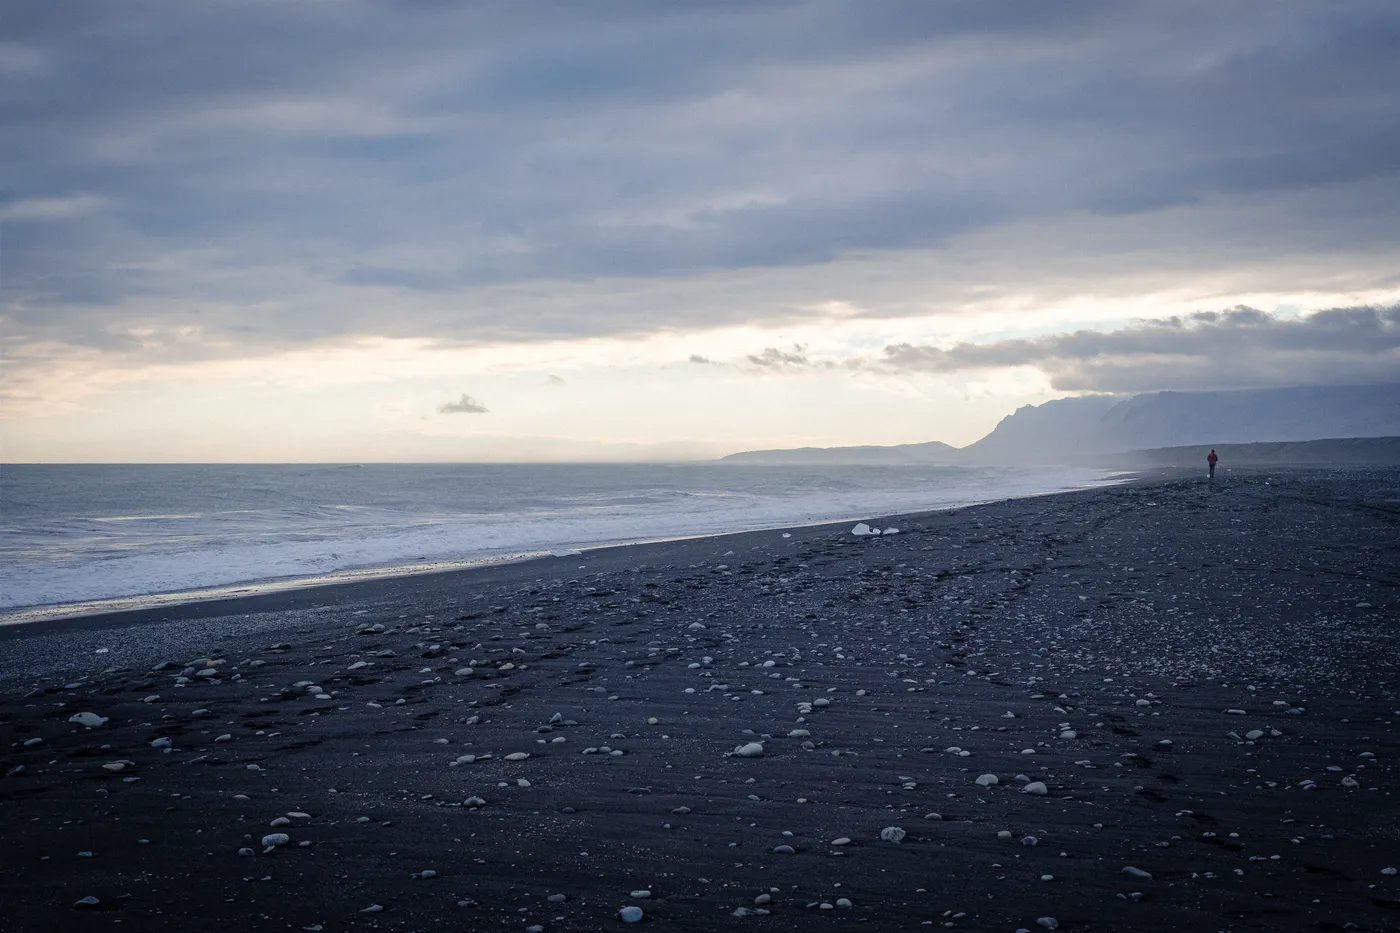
932	453
1082	428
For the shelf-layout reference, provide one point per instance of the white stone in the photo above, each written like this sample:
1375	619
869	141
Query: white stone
91	720
1036	787
892	834
749	750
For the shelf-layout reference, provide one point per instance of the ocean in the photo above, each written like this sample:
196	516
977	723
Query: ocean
84	538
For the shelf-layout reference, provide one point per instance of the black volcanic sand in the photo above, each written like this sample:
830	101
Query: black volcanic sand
1204	677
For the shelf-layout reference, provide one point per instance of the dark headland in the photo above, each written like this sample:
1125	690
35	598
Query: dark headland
1269	426
1187	694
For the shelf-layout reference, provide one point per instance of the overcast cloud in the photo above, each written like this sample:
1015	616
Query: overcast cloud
1241	348
212	174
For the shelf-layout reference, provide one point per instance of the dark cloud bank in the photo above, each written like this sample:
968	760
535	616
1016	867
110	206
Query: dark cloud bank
1240	348
425	148
1233	349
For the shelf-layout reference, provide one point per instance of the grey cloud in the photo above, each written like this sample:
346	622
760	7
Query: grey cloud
394	278
554	381
697	358
773	358
430	149
54	208
466	405
1238	348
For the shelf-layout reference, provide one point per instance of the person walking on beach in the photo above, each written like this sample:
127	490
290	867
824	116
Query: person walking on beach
1211	461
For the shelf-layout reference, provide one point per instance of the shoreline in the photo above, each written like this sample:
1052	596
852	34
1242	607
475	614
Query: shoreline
144	603
1203	680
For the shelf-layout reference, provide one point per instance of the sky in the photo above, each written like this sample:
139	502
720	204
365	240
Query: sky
340	230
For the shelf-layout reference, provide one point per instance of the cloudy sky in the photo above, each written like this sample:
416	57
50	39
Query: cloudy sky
350	230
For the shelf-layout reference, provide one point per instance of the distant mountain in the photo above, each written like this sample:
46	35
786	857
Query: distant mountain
1076	430
1167	419
1082	428
933	453
1054	430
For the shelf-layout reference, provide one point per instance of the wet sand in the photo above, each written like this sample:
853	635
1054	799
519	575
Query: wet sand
1204	678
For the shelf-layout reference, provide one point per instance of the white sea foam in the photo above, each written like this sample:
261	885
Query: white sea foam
173	548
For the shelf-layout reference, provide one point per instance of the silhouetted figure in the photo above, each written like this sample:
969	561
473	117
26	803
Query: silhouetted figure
1211	461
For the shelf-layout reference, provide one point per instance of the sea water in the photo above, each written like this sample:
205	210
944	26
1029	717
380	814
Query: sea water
79	534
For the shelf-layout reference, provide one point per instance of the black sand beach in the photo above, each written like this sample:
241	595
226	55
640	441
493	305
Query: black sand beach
1202	681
